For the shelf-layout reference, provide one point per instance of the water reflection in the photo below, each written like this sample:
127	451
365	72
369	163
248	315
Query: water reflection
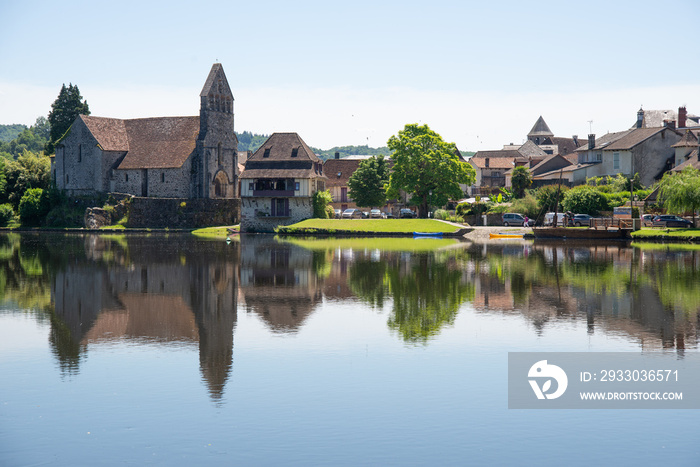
169	290
280	282
179	291
649	296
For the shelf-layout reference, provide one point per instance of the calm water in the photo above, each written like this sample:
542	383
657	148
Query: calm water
174	351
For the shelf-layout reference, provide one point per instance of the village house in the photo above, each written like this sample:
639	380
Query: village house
338	172
162	157
278	183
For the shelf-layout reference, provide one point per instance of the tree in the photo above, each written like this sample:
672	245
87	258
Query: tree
548	195
367	183
585	199
680	192
65	109
427	168
520	180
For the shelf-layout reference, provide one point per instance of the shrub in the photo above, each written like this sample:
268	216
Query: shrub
499	208
33	206
330	212
321	199
6	214
527	206
547	197
585	199
441	214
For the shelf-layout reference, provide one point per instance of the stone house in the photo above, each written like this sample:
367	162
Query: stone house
163	157
647	151
338	172
278	183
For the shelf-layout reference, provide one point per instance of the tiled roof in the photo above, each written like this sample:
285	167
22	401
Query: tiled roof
633	138
215	74
692	161
110	133
603	141
530	149
161	142
345	167
567	145
689	140
540	128
149	143
501	153
494	162
283	155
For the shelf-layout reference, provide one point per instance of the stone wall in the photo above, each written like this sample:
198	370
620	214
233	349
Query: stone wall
253	219
178	213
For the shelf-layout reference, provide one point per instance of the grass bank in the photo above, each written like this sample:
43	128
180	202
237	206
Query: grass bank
667	235
367	226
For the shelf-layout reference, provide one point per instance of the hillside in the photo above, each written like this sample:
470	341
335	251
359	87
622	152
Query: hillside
10	132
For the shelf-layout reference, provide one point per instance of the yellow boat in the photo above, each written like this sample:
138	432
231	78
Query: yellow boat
505	235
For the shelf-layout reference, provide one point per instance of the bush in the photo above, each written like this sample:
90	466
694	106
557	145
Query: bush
527	206
33	206
499	208
321	199
547	197
441	214
6	214
585	199
330	212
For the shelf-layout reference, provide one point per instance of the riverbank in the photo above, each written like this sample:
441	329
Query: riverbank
374	227
671	235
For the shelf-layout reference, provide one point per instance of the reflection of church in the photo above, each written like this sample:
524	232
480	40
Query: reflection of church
278	282
176	294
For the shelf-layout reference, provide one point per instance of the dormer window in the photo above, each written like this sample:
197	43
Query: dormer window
267	152
295	152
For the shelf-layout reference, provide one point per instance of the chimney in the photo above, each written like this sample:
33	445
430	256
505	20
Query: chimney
640	117
682	117
591	141
575	138
337	155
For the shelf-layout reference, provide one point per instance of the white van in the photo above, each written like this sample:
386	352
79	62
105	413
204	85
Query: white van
549	219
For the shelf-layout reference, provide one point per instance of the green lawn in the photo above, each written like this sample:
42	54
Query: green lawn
675	233
369	225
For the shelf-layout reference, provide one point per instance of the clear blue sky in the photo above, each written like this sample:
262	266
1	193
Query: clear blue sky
479	73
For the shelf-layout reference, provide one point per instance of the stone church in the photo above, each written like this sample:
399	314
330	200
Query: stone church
160	157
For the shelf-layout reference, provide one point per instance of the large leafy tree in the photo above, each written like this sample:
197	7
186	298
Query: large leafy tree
367	183
67	106
680	192
520	180
427	168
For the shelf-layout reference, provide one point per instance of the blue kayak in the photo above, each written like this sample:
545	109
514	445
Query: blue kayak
427	234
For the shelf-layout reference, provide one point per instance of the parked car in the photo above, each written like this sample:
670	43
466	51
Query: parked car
376	214
338	213
648	220
669	220
512	218
549	218
407	214
352	213
581	219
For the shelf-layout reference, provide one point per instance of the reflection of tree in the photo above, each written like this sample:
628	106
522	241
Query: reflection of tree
426	289
367	280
